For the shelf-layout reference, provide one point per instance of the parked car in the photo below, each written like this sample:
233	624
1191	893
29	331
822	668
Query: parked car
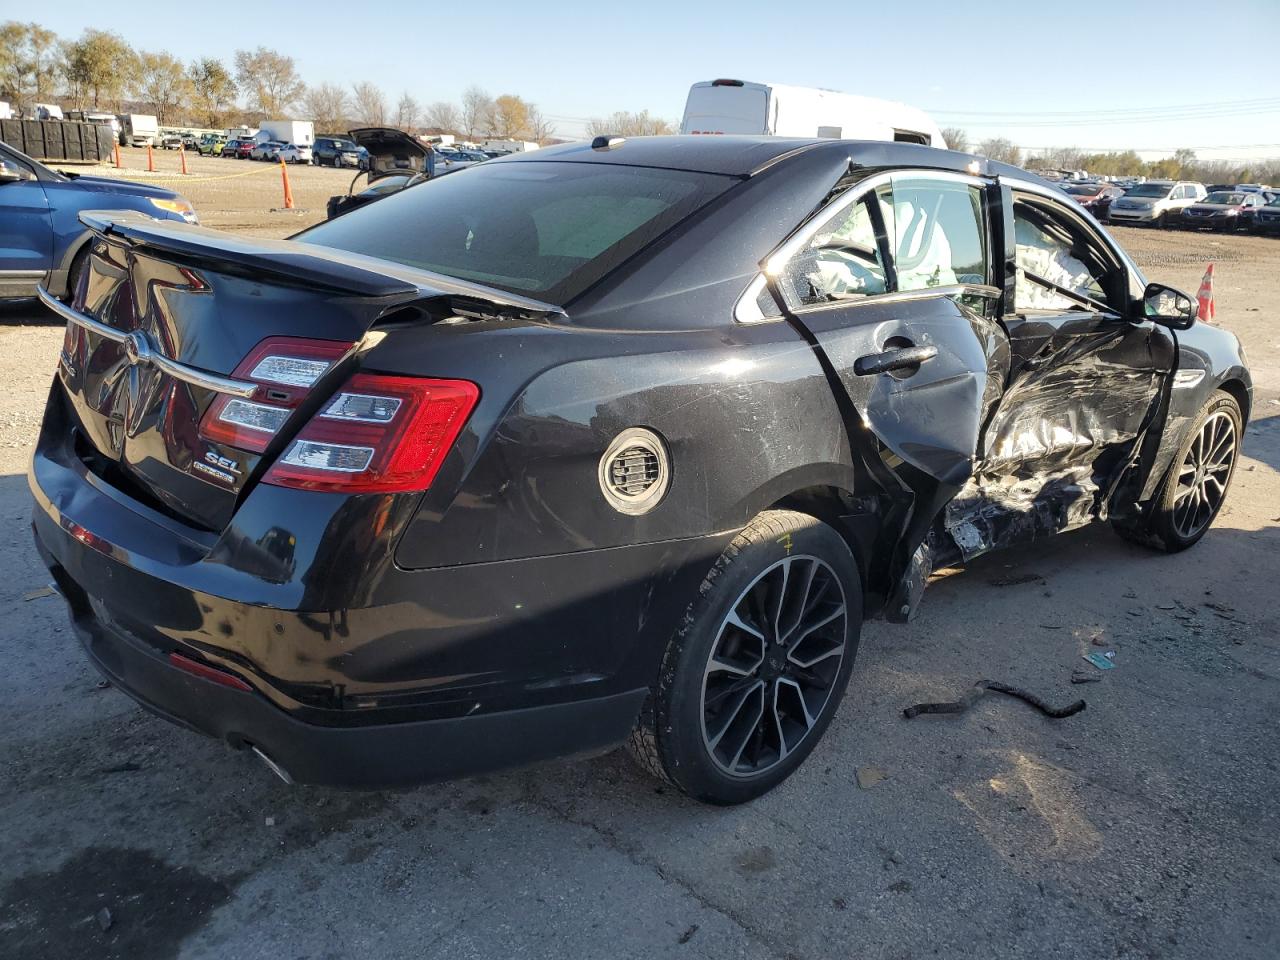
211	145
189	141
1156	202
612	437
266	150
294	153
393	160
1224	210
335	152
42	239
171	141
238	149
1094	197
1265	219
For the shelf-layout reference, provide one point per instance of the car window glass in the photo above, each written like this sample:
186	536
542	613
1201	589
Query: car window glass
842	260
937	234
1052	250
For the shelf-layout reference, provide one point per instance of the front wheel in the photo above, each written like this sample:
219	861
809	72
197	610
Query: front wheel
1196	486
750	683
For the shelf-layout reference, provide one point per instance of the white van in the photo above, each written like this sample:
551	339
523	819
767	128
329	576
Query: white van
738	106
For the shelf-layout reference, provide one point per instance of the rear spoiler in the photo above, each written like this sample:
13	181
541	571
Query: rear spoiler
305	263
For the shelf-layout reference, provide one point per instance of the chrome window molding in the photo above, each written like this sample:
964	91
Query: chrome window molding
140	351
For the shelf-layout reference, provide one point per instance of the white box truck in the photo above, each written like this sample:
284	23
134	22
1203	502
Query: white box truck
773	109
139	130
300	132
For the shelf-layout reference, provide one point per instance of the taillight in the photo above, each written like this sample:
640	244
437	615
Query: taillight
380	434
285	369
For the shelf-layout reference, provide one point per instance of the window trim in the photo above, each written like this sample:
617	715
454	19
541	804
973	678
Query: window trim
747	311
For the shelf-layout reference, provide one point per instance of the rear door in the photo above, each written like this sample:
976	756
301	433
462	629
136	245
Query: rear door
894	284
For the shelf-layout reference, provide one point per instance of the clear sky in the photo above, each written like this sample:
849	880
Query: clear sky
1133	73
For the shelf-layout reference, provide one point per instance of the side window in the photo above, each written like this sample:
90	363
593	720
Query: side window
937	233
843	260
1054	255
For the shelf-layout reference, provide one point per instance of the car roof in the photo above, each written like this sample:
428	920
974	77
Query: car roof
739	156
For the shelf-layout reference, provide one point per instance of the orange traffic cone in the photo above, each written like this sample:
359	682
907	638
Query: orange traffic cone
115	149
1205	296
182	157
288	194
151	160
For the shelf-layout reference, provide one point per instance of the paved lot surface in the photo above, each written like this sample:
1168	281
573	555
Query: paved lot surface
1145	827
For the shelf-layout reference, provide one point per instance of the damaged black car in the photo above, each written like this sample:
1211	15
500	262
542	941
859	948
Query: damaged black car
612	442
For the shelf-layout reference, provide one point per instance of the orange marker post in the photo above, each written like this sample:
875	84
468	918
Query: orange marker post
182	158
151	160
115	150
288	194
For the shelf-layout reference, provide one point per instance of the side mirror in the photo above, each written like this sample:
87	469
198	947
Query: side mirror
12	173
1169	307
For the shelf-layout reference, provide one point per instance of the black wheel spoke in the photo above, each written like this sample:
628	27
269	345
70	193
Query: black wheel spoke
773	666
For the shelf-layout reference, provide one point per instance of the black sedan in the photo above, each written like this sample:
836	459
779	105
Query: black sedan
1223	210
613	441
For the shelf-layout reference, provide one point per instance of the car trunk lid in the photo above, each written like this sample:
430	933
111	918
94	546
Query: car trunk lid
172	321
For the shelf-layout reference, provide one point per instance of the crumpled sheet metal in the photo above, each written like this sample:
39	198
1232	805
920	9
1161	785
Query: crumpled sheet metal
991	512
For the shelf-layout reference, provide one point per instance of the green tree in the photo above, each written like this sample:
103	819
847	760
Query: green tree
162	82
213	91
44	59
99	64
269	80
13	61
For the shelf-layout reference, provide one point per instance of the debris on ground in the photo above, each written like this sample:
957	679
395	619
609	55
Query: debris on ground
688	934
1085	676
37	594
868	777
1103	661
271	821
102	684
979	689
105	919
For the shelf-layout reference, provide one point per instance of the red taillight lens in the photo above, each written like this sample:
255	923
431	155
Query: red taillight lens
284	368
206	672
381	434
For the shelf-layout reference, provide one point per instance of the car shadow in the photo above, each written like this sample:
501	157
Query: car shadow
26	313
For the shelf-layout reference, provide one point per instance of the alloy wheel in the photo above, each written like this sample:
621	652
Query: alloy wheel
1204	474
773	665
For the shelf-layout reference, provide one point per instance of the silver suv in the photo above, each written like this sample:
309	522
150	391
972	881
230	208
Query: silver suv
1158	202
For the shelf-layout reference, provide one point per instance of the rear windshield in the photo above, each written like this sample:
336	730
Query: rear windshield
1085	191
539	228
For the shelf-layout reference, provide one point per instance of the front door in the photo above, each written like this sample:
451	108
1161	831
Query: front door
1083	383
26	232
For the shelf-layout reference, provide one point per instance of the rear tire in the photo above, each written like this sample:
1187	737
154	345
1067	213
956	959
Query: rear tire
1196	485
751	681
79	264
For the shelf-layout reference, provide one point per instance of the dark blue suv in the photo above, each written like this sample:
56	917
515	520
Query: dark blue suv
41	236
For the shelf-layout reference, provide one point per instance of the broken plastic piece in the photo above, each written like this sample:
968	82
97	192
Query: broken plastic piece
1101	660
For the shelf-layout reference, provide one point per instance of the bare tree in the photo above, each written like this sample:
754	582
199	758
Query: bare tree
162	82
45	61
213	92
957	138
408	110
269	80
327	105
625	124
477	111
540	128
1000	149
370	104
444	116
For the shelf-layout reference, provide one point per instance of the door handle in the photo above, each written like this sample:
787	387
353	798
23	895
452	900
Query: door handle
897	359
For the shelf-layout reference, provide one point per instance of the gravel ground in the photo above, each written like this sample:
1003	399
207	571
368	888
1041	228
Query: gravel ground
1145	827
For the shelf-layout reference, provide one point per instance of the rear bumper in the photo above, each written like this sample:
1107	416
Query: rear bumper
371	756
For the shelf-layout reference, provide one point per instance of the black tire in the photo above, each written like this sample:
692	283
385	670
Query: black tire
689	741
78	265
1162	221
1178	516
